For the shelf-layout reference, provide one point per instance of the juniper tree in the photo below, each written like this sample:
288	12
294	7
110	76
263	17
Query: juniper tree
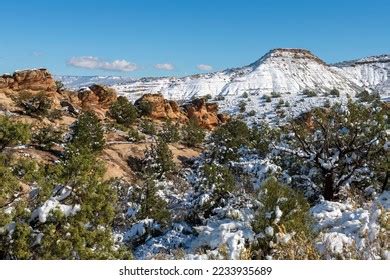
84	231
193	134
13	132
123	111
227	139
88	133
170	132
337	146
158	160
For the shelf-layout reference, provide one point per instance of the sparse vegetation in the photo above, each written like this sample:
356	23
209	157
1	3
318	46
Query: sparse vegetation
36	105
309	93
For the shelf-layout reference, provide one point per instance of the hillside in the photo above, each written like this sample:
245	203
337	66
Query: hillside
87	174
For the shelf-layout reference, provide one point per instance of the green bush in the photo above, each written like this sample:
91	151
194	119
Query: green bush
283	215
228	138
13	133
123	111
148	127
134	135
9	184
280	104
217	181
88	133
152	205
334	92
261	136
145	108
252	113
170	132
309	93
267	98
365	96
47	137
35	104
242	106
193	134
158	159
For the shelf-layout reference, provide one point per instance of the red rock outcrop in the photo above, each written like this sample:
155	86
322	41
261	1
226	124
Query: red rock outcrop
97	95
32	80
205	113
162	108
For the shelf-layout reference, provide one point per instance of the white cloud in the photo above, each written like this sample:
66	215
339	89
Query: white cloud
164	66
204	67
91	62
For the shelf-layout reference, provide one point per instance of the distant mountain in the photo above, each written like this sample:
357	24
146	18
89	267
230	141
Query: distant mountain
280	71
372	72
75	82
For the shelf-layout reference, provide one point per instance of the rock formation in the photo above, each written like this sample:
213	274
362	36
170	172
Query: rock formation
205	113
32	80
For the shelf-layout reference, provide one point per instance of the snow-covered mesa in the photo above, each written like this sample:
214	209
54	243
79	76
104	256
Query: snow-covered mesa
280	70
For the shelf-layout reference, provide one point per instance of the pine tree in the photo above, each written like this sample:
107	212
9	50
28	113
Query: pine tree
152	205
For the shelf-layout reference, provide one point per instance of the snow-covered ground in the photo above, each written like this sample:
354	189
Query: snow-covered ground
344	229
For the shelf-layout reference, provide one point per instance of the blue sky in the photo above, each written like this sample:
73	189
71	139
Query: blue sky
160	38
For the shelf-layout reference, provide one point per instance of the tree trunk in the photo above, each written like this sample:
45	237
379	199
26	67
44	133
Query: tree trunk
328	186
